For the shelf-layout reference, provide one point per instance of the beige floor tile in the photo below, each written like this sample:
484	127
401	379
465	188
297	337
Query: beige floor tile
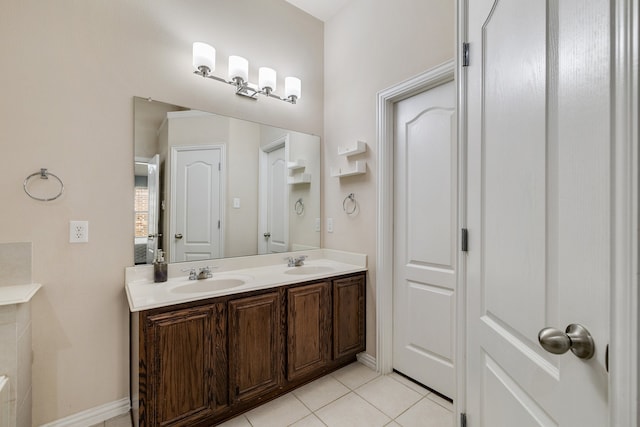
121	421
309	421
413	386
322	391
426	413
388	395
239	421
281	412
352	411
440	401
354	375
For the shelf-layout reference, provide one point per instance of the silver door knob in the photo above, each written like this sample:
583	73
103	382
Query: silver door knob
575	338
267	235
178	236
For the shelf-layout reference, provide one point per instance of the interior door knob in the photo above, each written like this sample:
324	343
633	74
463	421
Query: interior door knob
575	338
267	235
178	236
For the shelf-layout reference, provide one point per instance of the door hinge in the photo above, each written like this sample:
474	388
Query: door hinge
219	167
465	54
464	240
218	224
463	419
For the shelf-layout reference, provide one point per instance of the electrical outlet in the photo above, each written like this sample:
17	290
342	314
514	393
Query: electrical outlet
78	231
330	225
236	203
317	225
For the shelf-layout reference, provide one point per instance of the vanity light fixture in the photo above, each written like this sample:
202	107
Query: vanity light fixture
204	62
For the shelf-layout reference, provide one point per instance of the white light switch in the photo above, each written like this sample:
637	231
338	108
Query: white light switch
317	224
236	203
330	225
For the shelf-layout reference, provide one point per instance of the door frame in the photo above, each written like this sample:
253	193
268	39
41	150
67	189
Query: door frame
263	153
624	321
386	100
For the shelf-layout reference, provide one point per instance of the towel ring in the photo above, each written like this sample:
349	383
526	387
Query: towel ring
299	207
43	174
351	197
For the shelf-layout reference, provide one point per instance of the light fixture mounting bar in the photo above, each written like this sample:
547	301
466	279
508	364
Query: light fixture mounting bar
243	88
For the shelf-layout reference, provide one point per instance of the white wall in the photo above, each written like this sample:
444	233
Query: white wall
370	46
70	69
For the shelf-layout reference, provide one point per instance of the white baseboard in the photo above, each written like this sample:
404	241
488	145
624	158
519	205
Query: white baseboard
368	360
94	415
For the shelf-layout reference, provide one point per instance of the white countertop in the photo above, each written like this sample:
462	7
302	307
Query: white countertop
257	274
18	294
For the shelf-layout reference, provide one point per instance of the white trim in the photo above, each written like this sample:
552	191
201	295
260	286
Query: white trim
623	378
384	246
367	360
94	415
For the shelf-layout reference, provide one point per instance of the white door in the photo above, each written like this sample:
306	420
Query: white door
196	231
153	185
539	209
425	212
277	233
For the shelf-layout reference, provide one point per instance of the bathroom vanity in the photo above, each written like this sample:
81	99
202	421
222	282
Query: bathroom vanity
214	353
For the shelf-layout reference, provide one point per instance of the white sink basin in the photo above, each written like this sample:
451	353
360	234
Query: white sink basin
208	285
310	269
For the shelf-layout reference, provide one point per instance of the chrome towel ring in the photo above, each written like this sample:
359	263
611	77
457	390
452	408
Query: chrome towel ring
299	207
43	174
351	197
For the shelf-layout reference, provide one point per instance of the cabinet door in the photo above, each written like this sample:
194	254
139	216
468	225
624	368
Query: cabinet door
308	329
348	316
180	366
254	346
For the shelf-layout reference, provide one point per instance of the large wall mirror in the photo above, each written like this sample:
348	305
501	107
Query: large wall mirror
209	186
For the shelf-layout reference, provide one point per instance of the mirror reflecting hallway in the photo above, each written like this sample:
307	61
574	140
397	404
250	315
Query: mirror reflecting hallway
353	396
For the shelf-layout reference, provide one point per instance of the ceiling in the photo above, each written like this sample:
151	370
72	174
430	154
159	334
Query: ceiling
321	9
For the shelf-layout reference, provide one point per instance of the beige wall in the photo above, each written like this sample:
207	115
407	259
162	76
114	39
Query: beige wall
70	69
370	46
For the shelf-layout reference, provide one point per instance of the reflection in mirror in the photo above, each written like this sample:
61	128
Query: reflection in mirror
209	186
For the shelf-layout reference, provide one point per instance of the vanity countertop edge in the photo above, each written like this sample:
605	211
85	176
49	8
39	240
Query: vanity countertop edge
18	294
258	272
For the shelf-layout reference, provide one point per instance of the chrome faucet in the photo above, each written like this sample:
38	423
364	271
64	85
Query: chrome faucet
202	273
205	273
296	261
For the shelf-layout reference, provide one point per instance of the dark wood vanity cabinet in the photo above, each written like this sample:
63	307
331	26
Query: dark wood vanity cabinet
254	346
200	363
308	329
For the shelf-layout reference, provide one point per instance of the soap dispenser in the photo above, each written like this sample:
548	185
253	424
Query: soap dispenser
159	268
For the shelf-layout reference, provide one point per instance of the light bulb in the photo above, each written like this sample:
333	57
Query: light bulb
267	78
238	68
204	57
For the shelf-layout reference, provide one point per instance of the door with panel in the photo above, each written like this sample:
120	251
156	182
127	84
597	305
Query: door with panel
539	200
425	230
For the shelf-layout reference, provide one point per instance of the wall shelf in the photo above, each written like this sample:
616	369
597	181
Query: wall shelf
298	164
356	168
299	178
358	148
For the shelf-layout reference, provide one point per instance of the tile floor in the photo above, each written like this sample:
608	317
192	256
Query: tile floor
353	396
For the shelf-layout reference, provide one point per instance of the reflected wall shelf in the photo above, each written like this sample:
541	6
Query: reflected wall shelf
358	167
298	164
299	178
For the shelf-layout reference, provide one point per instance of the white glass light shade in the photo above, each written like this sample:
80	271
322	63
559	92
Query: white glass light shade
238	67
267	78
204	55
292	87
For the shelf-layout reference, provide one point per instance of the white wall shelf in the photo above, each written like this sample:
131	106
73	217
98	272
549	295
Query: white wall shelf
356	168
298	164
299	178
358	148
